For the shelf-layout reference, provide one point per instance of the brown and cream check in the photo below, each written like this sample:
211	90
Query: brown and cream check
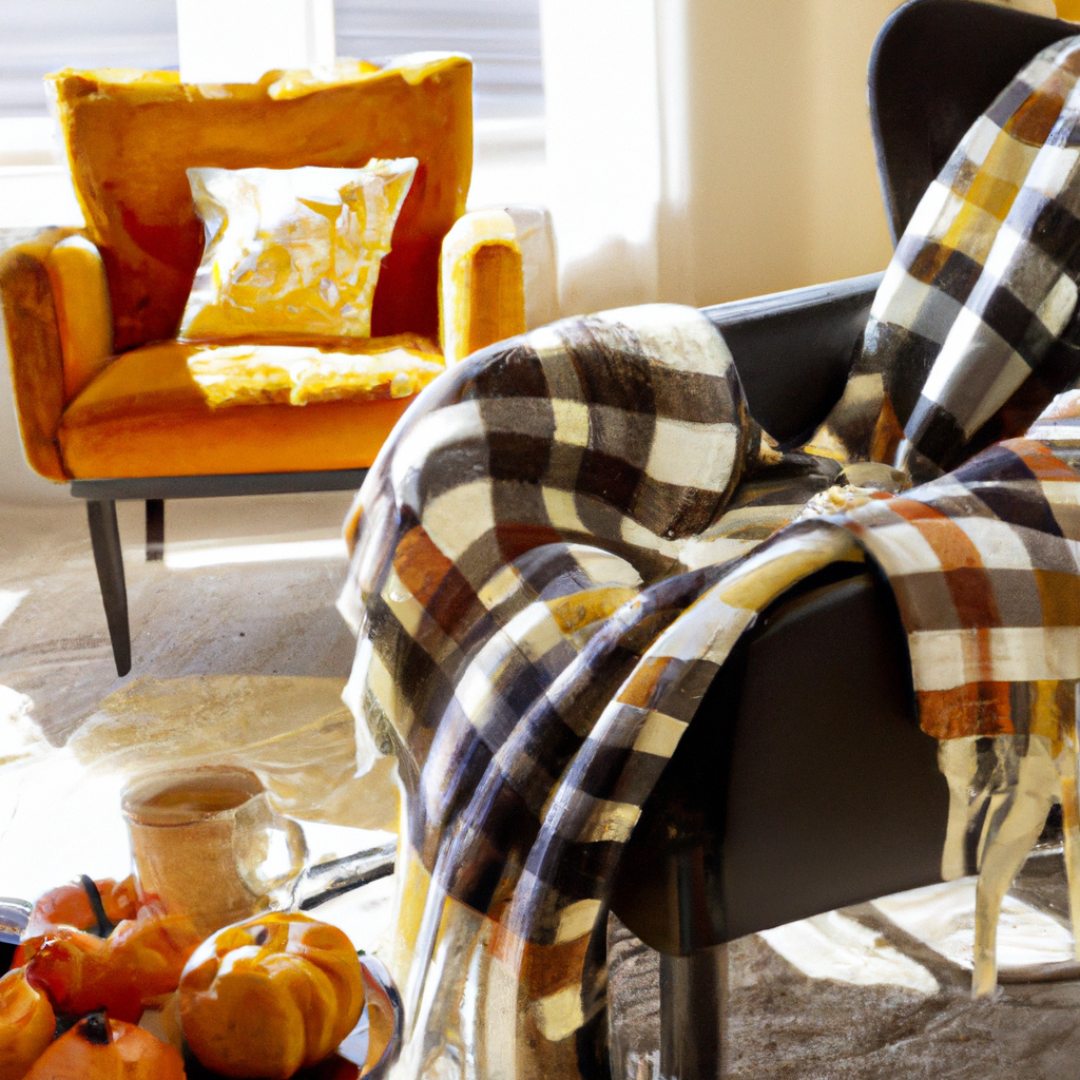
566	535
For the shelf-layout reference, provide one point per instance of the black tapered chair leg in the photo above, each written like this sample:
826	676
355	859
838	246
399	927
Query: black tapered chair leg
693	993
109	559
155	530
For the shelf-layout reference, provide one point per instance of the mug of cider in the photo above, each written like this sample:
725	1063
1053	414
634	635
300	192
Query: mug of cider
206	842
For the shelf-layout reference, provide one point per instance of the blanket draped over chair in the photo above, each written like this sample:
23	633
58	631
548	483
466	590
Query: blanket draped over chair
567	533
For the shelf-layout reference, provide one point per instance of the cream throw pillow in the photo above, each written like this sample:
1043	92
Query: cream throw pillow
292	252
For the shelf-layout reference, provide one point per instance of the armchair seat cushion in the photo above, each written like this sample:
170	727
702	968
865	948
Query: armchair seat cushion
146	414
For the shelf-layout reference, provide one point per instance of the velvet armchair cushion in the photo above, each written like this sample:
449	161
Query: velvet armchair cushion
146	415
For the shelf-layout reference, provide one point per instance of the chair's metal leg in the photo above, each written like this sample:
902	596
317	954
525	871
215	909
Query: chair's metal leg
109	559
692	1001
155	530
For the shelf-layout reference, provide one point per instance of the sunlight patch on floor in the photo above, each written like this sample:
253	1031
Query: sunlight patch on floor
284	551
9	600
832	946
943	916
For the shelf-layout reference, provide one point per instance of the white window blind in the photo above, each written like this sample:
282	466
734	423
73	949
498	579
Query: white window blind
45	35
502	36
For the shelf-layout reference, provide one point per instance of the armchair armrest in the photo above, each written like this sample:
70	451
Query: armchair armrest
34	349
481	287
83	310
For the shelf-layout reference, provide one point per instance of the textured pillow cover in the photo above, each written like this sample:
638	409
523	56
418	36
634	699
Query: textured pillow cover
292	252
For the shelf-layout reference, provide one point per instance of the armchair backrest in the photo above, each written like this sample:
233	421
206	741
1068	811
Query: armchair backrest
936	66
131	136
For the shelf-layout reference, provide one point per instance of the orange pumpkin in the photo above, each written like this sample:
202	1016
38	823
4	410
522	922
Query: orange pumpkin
74	905
94	906
98	1048
141	960
270	995
27	1025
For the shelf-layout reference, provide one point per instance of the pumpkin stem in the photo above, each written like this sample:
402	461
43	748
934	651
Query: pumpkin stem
105	926
94	1028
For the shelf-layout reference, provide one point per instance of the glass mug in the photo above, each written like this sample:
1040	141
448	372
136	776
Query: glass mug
206	842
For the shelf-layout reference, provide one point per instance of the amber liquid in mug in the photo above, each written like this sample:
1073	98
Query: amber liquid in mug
195	798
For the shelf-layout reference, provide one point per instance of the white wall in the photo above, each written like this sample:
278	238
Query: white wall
702	150
785	186
604	147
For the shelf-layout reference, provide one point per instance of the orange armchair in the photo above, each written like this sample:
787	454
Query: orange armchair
103	393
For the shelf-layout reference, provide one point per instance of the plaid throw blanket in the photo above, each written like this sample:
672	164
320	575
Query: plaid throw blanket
561	543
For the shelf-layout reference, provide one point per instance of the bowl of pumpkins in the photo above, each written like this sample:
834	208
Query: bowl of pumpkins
104	983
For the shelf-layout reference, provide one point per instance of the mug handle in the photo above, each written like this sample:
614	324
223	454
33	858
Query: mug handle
261	878
296	842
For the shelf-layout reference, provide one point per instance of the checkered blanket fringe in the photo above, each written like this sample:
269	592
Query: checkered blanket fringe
566	535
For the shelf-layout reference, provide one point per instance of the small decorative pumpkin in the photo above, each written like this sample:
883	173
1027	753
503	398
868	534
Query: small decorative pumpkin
126	972
93	906
27	1025
98	1048
270	995
96	906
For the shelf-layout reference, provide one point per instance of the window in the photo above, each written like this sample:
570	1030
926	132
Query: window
502	36
45	35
